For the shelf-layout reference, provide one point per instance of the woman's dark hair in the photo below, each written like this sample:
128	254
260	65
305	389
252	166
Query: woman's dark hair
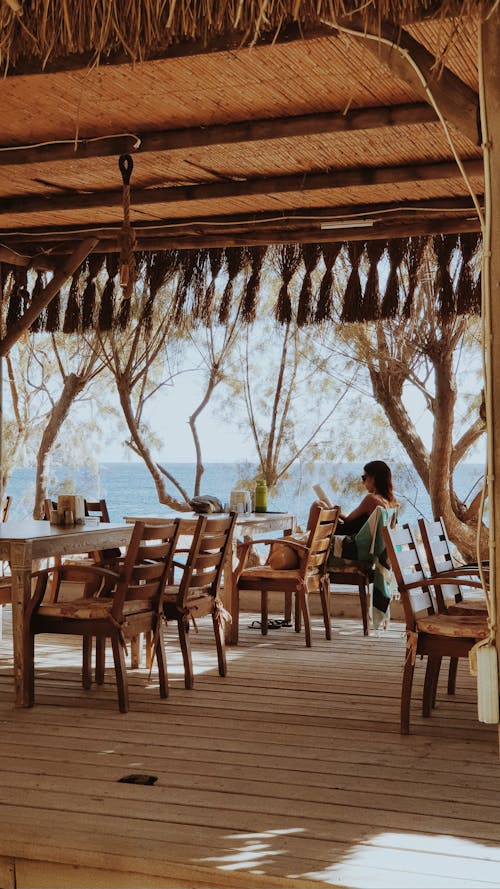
382	477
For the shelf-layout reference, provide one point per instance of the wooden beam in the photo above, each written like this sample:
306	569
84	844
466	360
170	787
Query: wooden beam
301	182
40	262
248	131
457	101
390	211
37	306
309	235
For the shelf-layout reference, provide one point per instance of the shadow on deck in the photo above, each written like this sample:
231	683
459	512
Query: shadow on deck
289	771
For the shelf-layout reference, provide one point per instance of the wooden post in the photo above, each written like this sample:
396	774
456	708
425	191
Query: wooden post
490	60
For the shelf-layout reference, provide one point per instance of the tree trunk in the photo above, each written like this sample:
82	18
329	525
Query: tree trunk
142	449
73	385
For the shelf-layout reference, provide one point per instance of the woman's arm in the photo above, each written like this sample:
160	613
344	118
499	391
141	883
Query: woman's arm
366	507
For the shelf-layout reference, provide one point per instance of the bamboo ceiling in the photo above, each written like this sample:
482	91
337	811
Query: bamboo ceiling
249	125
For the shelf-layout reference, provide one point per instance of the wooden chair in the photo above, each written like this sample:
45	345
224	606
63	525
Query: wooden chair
360	575
428	633
7	503
126	604
437	547
311	575
197	593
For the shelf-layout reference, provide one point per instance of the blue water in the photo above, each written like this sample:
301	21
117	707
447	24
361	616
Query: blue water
129	489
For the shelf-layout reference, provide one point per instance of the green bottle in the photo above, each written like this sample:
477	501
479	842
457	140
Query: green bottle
261	496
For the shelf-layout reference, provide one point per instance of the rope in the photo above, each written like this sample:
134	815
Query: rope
127	238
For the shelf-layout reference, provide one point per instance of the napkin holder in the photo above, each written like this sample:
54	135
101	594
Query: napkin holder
73	505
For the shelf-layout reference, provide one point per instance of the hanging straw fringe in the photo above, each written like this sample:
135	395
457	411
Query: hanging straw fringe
287	260
127	237
465	287
106	310
72	314
371	298
444	245
19	295
93	266
310	254
249	307
216	258
414	255
390	302
235	261
351	312
38	288
324	308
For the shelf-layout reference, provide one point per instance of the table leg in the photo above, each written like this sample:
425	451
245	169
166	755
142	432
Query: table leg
21	592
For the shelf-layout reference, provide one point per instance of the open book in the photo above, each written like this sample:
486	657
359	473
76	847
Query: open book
318	490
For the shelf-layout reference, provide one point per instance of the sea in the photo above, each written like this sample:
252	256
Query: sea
129	490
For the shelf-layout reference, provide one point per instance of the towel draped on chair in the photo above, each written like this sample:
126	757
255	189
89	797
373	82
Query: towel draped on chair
366	550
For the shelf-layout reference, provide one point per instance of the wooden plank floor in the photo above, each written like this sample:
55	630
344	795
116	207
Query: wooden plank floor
291	771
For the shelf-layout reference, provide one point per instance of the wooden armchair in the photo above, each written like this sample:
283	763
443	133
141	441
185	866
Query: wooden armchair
310	575
428	633
126	604
197	594
437	547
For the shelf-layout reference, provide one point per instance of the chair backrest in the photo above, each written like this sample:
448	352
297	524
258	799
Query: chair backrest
98	509
369	539
7	502
407	567
205	560
147	565
321	525
438	551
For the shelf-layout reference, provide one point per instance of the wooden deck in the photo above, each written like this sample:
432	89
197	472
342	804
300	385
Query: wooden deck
289	772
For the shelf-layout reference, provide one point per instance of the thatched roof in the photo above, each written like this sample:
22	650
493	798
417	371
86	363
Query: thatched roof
250	123
139	29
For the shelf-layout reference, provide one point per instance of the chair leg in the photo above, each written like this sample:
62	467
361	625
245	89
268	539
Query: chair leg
363	598
161	659
121	674
452	675
100	659
287	614
87	662
429	684
186	652
298	614
220	644
436	680
264	611
324	592
406	697
304	602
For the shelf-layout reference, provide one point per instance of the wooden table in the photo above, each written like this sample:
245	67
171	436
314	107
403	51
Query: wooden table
253	524
23	542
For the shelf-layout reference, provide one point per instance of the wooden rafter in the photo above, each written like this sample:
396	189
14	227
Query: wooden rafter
444	208
457	101
36	307
302	182
202	137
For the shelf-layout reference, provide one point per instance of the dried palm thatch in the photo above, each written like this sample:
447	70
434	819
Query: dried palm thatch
137	29
92	300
